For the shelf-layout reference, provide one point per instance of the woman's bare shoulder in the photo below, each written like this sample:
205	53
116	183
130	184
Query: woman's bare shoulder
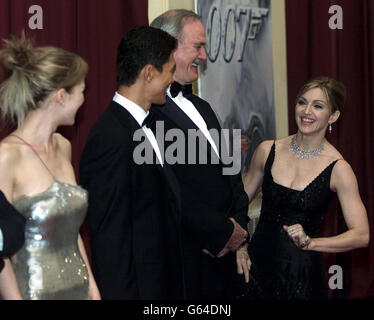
265	146
62	144
61	140
10	151
283	143
332	152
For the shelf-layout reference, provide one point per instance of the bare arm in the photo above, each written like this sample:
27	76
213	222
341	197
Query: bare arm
253	179
252	182
344	182
93	289
94	293
8	284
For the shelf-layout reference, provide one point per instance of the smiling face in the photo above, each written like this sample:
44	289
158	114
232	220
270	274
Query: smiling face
313	112
162	80
190	53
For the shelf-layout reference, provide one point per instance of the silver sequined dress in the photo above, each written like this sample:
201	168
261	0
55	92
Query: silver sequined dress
49	265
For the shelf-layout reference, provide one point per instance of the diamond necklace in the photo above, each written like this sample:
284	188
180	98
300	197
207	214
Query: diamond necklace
305	154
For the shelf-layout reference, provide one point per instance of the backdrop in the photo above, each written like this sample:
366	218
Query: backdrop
239	55
91	28
347	55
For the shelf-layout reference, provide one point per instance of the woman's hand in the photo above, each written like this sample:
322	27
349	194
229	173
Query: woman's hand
243	262
298	236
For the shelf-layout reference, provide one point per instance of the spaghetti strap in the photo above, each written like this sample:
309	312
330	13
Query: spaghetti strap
270	158
32	148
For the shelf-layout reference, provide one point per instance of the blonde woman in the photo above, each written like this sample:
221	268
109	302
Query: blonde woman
43	92
299	175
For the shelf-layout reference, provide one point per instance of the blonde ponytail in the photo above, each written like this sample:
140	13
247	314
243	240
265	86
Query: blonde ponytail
35	72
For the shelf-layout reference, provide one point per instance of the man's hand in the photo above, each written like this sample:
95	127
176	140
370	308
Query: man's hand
237	238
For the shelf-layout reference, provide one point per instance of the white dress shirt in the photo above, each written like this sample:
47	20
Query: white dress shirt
139	114
190	110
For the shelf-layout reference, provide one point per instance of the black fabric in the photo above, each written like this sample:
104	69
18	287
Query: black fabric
133	214
149	120
279	269
12	225
209	198
176	87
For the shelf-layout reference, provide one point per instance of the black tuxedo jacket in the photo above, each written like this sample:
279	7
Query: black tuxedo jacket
12	225
209	198
133	214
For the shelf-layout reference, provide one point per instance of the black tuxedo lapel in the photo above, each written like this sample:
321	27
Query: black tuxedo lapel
212	123
128	121
133	214
207	114
124	117
182	121
209	118
177	115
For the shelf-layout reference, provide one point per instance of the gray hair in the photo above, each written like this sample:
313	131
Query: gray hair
173	21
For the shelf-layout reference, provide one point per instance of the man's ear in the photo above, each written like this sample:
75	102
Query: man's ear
148	72
60	96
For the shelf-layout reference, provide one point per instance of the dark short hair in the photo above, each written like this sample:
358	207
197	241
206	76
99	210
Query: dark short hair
139	47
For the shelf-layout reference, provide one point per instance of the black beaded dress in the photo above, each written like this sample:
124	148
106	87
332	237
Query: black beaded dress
280	270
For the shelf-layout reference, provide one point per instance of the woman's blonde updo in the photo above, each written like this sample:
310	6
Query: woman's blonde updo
35	72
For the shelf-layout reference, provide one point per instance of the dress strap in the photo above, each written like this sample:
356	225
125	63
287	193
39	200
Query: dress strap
330	167
270	159
32	148
332	164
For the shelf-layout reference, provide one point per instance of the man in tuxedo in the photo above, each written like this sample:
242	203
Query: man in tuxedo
134	207
214	205
12	230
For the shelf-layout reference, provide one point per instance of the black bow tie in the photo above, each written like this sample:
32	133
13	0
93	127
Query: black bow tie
176	87
149	120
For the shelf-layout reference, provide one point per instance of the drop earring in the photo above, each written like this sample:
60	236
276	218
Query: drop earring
330	128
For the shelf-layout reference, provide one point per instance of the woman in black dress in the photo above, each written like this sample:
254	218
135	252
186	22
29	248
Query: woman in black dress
299	175
12	228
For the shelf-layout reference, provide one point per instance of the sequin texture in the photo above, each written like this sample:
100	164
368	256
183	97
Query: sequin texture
49	265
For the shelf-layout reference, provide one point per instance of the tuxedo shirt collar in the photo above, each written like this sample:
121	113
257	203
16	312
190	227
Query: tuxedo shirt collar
136	111
139	114
190	110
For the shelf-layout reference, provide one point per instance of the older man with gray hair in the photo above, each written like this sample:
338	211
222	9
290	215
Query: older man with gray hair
214	205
